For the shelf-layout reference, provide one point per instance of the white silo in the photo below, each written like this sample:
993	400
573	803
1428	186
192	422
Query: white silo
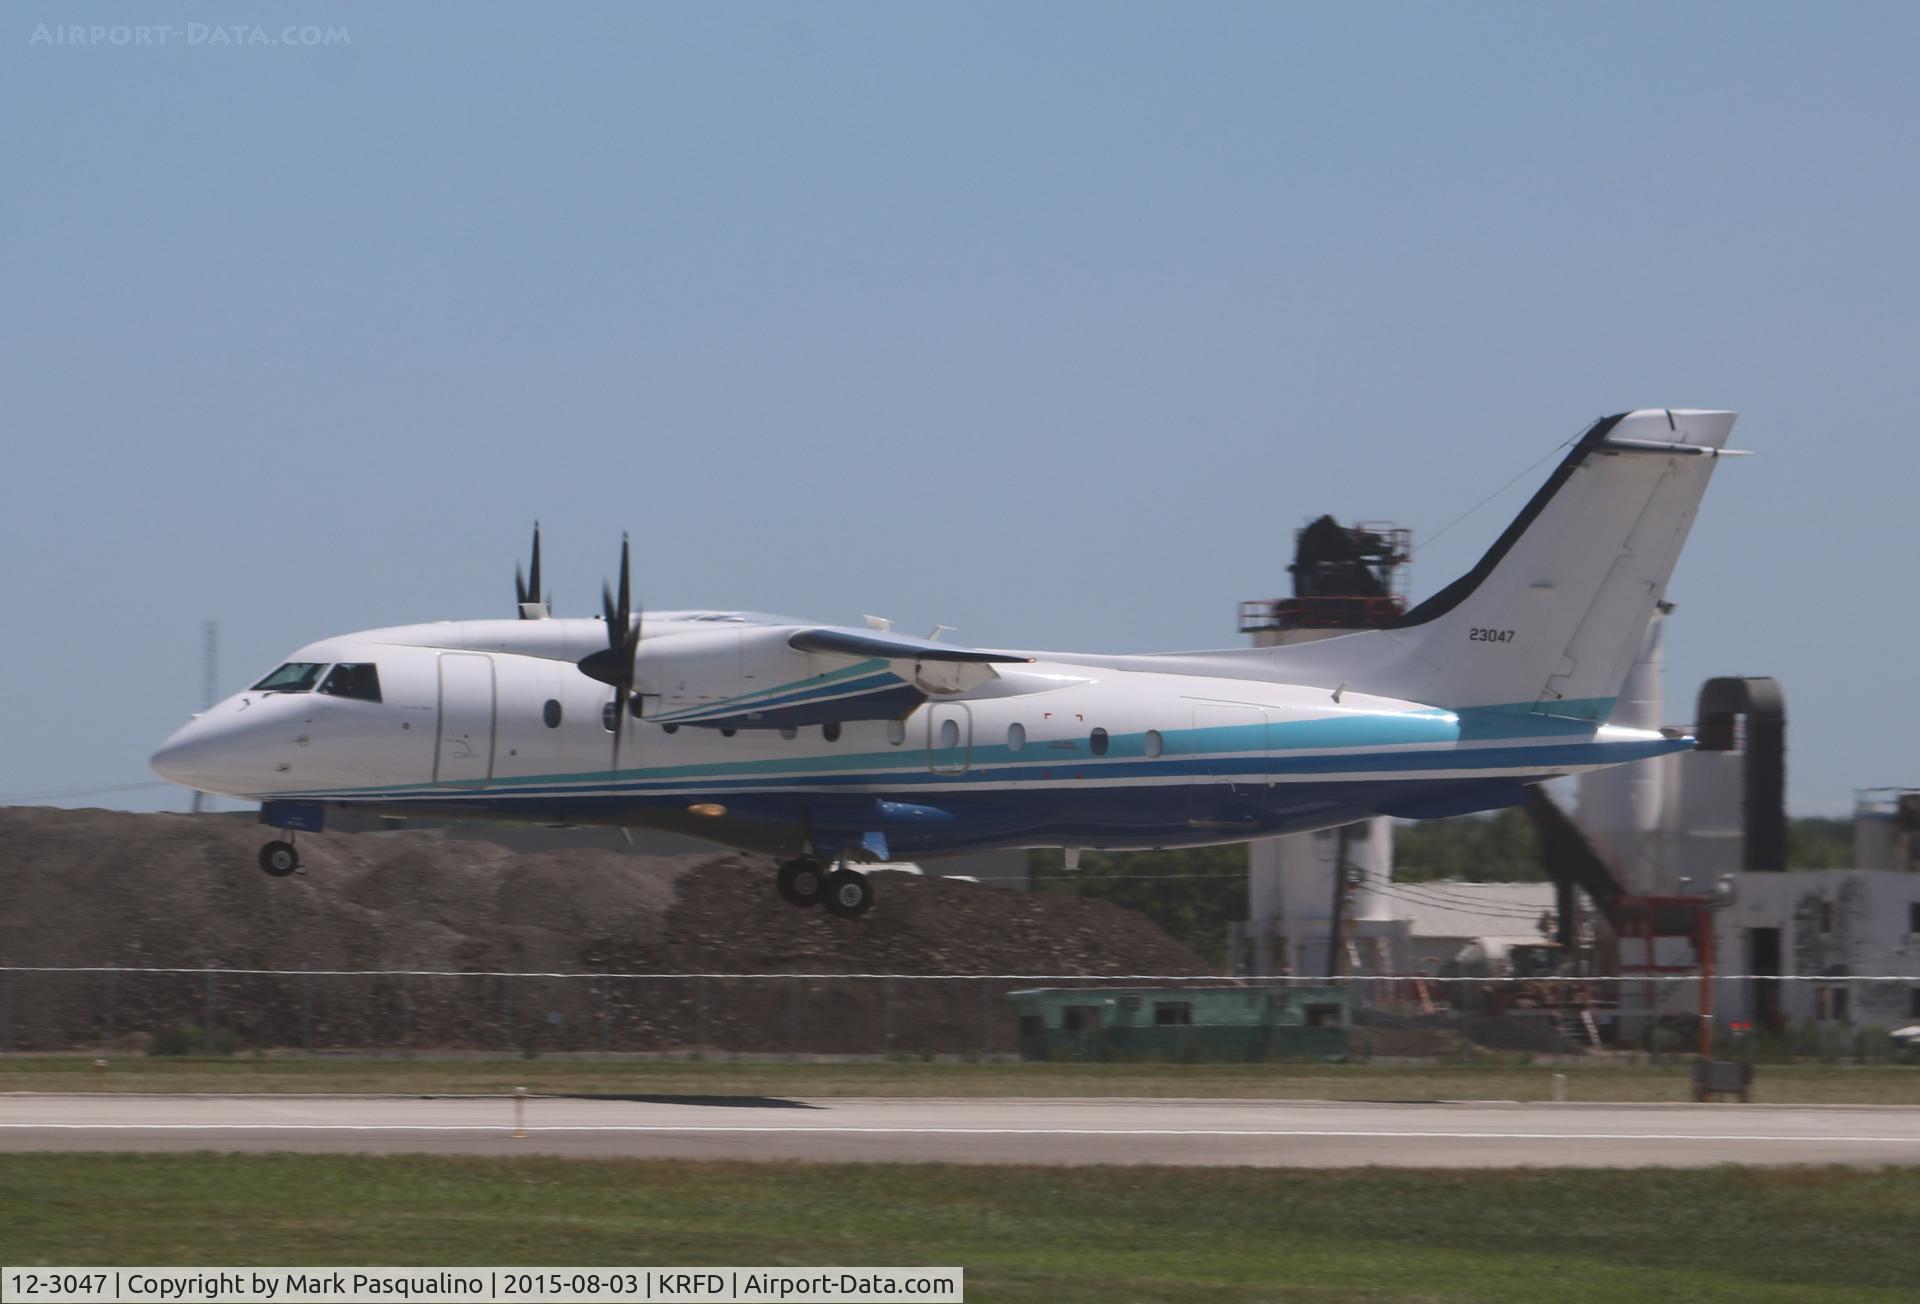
1344	579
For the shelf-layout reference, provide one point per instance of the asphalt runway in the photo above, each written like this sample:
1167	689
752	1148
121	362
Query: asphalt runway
1313	1134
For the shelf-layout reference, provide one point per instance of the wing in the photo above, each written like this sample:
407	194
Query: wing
771	677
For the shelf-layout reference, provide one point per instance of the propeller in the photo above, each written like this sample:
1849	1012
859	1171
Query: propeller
527	587
613	664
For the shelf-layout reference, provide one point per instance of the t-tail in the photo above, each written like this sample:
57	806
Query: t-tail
1547	624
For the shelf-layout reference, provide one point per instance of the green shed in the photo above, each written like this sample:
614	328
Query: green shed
1237	1024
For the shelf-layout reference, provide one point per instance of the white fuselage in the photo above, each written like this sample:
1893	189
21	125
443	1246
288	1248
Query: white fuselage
491	719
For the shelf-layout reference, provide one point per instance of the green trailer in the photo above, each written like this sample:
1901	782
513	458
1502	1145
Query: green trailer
1215	1025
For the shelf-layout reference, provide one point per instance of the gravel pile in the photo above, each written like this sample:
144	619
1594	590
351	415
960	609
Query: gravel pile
115	889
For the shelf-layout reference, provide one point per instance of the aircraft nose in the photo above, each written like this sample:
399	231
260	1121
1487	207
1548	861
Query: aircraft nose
191	756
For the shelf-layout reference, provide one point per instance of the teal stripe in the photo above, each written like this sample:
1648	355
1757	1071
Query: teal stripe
1356	731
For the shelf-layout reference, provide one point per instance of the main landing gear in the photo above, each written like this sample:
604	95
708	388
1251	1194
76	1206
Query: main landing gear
280	859
808	882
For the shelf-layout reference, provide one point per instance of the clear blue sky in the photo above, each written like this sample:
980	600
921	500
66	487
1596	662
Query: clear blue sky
1046	322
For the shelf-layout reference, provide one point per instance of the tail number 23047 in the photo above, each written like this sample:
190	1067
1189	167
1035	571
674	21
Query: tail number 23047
1490	635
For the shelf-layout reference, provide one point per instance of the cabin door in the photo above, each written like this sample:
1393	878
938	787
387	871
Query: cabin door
463	757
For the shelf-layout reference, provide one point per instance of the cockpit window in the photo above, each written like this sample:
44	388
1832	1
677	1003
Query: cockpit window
358	680
293	677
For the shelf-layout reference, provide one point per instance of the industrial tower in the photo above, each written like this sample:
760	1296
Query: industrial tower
1345	578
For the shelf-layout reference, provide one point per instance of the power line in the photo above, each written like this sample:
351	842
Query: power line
1428	541
1237	979
64	794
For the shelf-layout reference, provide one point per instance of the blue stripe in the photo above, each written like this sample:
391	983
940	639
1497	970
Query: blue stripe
1093	816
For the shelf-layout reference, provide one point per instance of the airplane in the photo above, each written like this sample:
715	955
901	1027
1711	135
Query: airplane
830	747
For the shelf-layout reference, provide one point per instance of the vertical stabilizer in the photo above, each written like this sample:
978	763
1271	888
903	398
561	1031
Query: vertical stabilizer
1548	622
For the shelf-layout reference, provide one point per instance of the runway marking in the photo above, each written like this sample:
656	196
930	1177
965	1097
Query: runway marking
947	1131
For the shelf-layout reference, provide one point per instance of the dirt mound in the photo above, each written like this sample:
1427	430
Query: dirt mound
110	889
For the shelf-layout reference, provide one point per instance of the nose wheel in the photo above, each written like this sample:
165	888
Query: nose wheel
279	859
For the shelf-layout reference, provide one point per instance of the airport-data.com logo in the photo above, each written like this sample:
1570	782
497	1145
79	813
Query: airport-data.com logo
223	35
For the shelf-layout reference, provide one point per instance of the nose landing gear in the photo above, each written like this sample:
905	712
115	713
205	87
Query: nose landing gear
279	859
844	892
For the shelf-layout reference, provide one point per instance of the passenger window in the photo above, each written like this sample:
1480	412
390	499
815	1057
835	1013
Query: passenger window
1016	737
1099	742
293	677
831	731
1154	744
896	732
358	680
551	713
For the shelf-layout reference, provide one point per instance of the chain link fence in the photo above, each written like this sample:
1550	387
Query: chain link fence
224	1011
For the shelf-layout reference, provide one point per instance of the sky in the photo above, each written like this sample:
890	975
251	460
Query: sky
1048	323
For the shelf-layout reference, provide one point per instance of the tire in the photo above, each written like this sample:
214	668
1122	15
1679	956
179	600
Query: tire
848	894
802	881
279	859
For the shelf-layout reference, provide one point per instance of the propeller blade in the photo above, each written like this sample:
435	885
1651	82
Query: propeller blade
626	592
526	586
533	571
613	664
619	722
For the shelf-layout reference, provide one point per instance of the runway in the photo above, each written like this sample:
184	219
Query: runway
1463	1134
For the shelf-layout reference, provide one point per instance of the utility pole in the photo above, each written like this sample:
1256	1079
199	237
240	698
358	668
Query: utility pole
1337	917
209	685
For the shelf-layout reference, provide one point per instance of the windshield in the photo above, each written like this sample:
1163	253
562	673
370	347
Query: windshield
357	680
293	677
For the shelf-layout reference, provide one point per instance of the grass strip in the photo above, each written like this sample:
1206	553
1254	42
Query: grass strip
1491	1080
1022	1233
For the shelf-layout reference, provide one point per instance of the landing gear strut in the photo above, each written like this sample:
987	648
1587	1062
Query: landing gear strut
279	859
